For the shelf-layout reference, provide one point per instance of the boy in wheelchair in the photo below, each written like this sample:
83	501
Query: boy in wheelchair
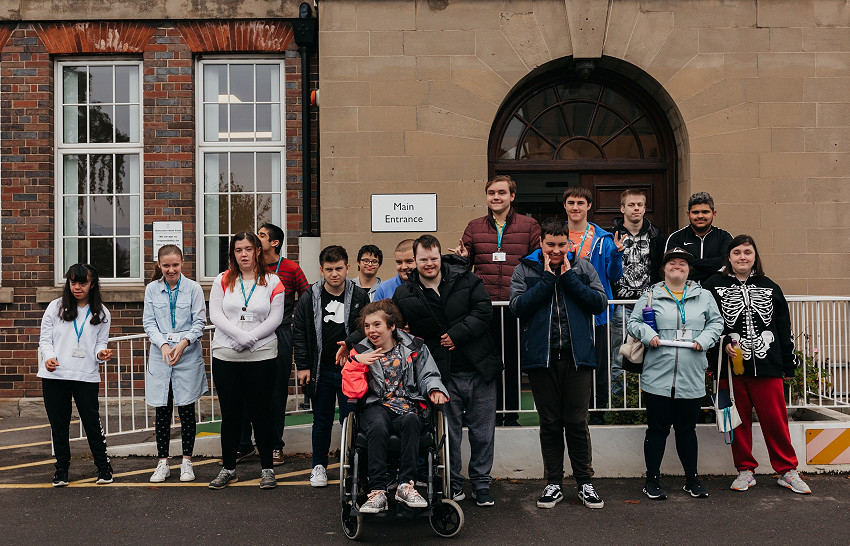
394	376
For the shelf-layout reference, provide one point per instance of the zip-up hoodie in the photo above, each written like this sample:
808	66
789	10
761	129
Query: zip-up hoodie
656	245
708	249
533	300
608	263
673	371
307	324
755	314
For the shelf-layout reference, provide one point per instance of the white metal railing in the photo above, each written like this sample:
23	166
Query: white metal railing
122	393
820	324
821	329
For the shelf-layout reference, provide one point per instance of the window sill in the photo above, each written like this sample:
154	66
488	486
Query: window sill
110	294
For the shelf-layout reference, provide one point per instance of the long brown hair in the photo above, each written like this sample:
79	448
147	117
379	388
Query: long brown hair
164	250
259	263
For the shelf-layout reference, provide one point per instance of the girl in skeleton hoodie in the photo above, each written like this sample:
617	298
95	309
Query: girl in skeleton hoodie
756	316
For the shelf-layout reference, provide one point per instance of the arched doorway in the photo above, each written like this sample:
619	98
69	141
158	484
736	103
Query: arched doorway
602	131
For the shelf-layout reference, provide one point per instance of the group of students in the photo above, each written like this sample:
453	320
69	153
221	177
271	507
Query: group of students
428	335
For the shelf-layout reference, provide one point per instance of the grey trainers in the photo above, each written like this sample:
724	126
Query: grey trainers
794	482
744	481
223	479
377	502
407	494
267	479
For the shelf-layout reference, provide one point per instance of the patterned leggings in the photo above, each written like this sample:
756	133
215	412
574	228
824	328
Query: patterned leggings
163	427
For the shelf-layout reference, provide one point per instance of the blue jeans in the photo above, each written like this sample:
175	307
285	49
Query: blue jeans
328	393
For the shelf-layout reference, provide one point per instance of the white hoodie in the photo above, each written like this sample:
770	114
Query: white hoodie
59	339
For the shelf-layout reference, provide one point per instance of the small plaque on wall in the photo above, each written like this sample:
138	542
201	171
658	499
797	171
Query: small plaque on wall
167	233
415	212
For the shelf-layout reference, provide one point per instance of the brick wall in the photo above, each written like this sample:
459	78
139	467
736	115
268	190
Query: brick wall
26	128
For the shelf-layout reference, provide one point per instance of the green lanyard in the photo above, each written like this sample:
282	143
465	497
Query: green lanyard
679	304
251	293
172	302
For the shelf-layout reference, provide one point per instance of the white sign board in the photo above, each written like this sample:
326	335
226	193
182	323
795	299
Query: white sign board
167	233
404	212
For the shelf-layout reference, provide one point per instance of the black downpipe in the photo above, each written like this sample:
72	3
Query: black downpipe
306	144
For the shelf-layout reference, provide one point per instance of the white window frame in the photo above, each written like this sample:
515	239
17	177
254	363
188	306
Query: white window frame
203	147
61	149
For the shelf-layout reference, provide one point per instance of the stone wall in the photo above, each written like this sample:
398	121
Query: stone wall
761	109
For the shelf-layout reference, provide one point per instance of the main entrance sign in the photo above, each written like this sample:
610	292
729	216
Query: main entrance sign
404	212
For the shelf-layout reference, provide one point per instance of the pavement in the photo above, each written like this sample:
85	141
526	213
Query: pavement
134	511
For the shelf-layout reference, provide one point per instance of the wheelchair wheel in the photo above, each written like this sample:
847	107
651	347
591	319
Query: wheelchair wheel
446	518
351	525
345	459
443	455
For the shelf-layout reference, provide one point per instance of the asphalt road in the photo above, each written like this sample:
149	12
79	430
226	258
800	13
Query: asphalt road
133	511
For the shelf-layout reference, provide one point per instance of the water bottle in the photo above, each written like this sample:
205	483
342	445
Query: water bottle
738	359
649	317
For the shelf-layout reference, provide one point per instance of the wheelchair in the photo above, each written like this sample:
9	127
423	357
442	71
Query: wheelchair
444	514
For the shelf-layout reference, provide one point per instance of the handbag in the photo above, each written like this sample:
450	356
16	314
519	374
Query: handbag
725	410
632	350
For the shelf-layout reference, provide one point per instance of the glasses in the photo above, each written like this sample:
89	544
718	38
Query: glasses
364	261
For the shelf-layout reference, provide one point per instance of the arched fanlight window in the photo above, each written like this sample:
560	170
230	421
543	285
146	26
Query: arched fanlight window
579	120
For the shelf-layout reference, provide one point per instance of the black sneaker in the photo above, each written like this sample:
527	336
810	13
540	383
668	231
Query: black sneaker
653	490
695	489
104	475
589	497
483	497
551	496
60	478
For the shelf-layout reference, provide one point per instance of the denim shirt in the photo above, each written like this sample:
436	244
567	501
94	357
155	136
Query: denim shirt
187	378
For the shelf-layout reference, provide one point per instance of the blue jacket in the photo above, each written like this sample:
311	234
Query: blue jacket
608	263
532	300
673	371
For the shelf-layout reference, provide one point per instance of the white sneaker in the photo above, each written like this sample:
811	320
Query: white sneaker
744	481
162	471
319	477
186	472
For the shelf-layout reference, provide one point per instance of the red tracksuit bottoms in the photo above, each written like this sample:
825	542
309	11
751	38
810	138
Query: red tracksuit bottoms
767	396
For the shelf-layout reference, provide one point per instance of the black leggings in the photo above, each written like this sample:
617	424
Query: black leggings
662	412
163	427
241	384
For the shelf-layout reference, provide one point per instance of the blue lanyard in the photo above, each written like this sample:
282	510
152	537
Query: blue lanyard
581	244
172	302
499	233
251	293
679	304
278	264
80	329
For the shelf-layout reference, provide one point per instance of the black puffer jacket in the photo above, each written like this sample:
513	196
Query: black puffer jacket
468	310
756	314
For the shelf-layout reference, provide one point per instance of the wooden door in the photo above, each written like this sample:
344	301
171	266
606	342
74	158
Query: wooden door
607	187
